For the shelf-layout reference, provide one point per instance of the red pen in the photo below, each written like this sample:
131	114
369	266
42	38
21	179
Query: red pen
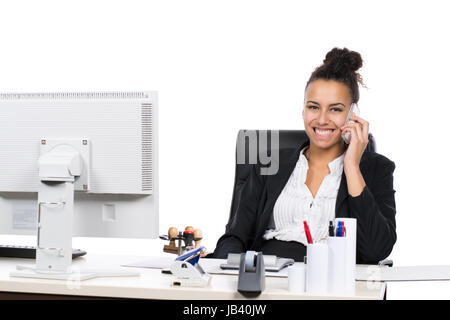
307	232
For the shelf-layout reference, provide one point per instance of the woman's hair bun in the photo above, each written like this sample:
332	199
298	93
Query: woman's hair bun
341	65
339	59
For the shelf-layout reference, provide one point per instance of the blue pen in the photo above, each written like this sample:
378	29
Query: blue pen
339	229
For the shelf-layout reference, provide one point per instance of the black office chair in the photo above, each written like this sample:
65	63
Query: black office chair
288	139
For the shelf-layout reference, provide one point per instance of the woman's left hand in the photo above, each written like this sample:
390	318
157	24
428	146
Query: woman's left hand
359	131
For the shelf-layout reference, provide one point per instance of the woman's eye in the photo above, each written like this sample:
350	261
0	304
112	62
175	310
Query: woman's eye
336	109
312	107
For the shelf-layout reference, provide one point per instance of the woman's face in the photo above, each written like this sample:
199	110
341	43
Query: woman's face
327	103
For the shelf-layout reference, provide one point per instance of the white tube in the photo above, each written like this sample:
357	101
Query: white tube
297	277
317	268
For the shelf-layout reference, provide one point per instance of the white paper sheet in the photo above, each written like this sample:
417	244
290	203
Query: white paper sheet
153	263
405	273
211	266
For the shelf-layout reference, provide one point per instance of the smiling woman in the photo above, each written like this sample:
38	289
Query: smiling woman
322	179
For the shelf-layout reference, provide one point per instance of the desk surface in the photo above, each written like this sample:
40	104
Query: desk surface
152	284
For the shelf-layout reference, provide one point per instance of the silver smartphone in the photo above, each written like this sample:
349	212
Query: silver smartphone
353	109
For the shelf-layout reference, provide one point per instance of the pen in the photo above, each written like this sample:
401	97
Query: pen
331	229
307	232
339	229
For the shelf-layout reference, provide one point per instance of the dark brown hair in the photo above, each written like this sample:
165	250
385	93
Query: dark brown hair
341	65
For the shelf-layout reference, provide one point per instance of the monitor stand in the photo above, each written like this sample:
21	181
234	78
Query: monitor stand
60	164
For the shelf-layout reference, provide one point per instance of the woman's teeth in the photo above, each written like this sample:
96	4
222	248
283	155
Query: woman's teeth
323	132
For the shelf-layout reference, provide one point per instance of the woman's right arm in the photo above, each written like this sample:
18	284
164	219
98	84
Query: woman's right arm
240	230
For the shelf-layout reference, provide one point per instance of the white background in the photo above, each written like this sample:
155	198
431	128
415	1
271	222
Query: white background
221	66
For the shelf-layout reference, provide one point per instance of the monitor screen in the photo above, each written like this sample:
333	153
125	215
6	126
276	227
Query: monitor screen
118	196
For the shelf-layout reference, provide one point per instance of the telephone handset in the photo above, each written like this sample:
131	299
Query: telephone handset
353	109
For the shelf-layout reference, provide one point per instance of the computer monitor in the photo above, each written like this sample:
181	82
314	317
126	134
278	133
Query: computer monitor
119	197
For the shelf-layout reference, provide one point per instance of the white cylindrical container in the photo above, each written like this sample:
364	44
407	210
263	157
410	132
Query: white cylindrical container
317	268
350	254
297	277
336	265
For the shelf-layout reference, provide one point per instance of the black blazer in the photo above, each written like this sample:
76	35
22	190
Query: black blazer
374	208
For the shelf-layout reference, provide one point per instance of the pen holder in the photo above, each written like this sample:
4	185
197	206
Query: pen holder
336	265
317	268
350	254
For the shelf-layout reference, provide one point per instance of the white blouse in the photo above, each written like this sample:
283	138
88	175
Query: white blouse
296	204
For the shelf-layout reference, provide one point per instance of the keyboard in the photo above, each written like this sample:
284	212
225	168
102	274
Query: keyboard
29	252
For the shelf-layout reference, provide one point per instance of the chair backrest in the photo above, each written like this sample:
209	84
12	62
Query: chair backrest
288	139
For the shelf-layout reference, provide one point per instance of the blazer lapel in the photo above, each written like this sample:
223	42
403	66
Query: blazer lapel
341	196
277	182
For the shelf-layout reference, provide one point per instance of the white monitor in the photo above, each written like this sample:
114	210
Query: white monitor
119	197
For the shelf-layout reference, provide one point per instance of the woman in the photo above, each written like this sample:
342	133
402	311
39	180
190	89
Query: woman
322	179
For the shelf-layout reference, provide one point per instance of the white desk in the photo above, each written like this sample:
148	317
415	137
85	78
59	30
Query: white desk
152	284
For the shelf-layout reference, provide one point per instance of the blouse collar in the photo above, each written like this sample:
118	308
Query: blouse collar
336	166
